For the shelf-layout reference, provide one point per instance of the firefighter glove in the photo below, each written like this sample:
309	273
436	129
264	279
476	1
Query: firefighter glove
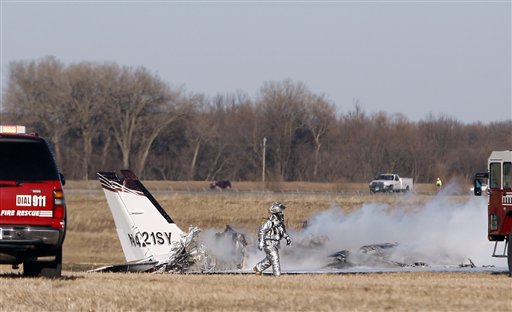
260	245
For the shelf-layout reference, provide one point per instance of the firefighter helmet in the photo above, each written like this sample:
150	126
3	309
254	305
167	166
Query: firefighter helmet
277	207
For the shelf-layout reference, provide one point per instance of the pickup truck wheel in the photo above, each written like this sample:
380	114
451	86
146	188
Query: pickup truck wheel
49	269
509	254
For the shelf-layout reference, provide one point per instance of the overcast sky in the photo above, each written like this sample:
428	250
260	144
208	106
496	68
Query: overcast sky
412	57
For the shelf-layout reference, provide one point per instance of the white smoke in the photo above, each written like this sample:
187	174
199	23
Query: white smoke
225	247
447	230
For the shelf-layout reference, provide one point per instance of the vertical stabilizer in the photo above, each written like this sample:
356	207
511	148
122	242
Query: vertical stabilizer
145	230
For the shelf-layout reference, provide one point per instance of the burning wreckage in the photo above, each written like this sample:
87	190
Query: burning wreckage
190	254
152	242
381	256
376	255
150	239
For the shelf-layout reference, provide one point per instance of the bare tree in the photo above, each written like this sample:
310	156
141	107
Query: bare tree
141	106
203	130
354	151
106	115
320	118
37	95
218	136
282	107
88	101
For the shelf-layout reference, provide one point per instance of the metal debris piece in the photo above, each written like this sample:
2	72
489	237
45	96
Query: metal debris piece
312	241
467	265
369	255
187	254
238	254
340	260
378	249
190	255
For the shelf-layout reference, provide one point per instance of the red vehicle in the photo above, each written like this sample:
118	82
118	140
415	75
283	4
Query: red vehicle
499	209
32	207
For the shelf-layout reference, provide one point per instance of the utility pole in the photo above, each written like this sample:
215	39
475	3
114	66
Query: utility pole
264	153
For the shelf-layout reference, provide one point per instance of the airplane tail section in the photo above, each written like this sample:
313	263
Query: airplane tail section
145	230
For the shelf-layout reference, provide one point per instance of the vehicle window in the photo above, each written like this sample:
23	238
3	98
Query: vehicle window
507	176
26	160
495	176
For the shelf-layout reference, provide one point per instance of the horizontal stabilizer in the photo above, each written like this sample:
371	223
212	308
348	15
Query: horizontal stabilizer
127	267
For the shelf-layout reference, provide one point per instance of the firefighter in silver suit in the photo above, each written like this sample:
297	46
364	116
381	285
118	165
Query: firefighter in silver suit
271	231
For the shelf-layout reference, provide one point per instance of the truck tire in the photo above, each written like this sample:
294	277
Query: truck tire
509	254
51	269
31	268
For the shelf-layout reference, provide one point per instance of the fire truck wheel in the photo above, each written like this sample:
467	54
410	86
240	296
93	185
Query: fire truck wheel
509	254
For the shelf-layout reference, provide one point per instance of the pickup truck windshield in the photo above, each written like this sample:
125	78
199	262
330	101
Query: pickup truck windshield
385	177
26	160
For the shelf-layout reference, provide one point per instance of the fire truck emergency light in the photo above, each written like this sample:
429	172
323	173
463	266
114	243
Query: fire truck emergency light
12	129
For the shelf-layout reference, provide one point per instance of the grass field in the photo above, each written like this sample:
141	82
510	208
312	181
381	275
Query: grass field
362	292
91	241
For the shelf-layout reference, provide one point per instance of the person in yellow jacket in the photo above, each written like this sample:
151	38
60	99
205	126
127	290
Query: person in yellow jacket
439	184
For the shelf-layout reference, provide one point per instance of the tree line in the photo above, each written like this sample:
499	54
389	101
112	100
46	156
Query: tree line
108	117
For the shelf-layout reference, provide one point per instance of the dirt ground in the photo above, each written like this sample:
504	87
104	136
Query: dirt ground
92	241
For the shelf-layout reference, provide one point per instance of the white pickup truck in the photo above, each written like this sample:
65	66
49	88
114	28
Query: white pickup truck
389	182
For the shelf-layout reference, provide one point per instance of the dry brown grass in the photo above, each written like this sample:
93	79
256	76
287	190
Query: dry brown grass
151	292
91	240
91	236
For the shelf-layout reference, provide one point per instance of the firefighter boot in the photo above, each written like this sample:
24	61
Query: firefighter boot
256	271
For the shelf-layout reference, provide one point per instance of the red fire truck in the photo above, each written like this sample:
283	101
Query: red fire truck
499	193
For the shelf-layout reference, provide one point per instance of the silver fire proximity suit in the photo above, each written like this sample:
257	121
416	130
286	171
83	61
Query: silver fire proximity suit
269	235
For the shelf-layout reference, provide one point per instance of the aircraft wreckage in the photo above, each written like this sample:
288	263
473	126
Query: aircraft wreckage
150	239
152	242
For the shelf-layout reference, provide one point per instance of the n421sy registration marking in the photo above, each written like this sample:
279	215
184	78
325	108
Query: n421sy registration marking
144	239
